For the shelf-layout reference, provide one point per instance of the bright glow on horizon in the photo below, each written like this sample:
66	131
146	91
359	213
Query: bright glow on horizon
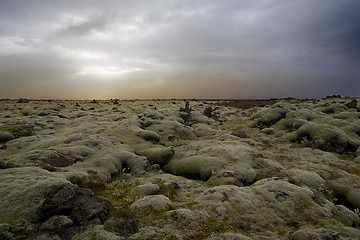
92	55
79	53
106	71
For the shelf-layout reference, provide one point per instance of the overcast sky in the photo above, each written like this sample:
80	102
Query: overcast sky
85	49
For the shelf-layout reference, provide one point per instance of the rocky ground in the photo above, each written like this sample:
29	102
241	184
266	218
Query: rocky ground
167	169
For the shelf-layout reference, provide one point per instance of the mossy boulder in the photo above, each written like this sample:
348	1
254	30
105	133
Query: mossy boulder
96	232
103	168
146	189
75	137
154	114
334	108
149	135
307	178
187	218
61	156
268	117
201	130
330	232
198	117
227	201
293	205
241	175
346	216
19	129
346	194
158	155
229	236
195	167
130	160
57	222
323	136
167	129
23	190
156	233
268	131
155	202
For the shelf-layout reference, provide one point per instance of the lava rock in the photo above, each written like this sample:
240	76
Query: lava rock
240	134
6	136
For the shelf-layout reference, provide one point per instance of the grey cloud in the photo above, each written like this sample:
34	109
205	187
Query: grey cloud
92	24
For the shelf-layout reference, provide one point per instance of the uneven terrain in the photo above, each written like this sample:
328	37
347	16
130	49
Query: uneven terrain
180	169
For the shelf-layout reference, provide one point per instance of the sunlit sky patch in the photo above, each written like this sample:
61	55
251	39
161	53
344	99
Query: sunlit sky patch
179	48
106	71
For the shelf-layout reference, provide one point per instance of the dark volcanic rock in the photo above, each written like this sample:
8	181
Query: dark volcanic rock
23	100
32	197
80	204
240	134
208	112
6	136
352	104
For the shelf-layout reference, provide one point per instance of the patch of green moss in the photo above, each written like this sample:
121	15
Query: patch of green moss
171	237
168	190
355	171
347	156
90	171
150	216
334	174
190	204
282	232
119	194
92	181
19	130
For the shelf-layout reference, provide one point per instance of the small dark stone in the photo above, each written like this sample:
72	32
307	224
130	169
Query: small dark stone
3	164
153	168
49	168
148	123
23	100
187	108
175	185
228	174
61	116
352	104
208	112
240	134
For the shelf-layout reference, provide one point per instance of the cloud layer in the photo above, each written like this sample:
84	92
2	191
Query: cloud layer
179	49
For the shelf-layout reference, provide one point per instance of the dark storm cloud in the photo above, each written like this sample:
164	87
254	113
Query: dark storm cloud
206	48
